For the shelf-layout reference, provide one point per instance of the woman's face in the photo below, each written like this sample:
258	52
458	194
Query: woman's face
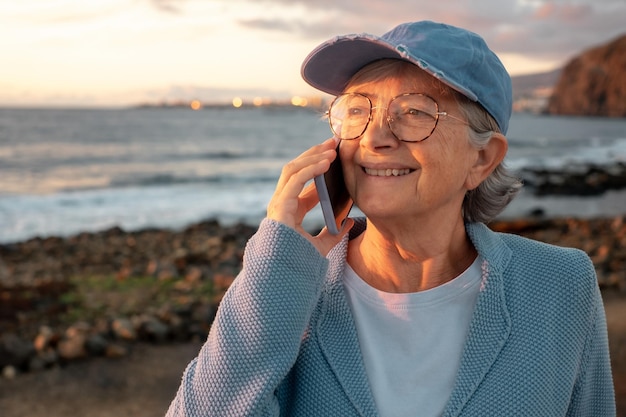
391	179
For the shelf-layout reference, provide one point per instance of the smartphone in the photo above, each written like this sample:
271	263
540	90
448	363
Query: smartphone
334	197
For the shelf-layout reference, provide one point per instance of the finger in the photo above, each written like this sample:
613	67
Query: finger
308	157
325	241
298	172
309	197
286	205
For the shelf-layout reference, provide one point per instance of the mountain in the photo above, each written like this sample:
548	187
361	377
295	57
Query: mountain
593	83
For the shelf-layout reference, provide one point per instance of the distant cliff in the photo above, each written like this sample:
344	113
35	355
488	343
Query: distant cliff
593	83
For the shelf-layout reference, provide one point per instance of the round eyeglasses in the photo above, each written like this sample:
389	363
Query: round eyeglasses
411	117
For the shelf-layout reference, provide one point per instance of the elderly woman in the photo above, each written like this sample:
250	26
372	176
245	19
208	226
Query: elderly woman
418	309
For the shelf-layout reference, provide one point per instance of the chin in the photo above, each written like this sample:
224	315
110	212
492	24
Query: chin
379	211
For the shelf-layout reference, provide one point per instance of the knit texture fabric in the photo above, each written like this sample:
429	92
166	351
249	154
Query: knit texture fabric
284	340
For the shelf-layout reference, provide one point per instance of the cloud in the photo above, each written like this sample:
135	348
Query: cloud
539	29
554	29
562	12
169	6
273	24
305	29
559	30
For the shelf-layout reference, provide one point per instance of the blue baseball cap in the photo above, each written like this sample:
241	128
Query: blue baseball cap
457	57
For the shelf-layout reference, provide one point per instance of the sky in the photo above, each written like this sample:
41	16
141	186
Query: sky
124	52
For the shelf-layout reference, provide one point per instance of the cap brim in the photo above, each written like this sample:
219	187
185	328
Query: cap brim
456	57
331	65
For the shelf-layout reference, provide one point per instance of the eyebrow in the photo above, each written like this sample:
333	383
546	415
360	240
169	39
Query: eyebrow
374	97
366	94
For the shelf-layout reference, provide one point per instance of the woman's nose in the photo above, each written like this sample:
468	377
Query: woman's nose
378	133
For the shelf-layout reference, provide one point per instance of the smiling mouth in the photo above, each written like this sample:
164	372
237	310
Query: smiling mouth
389	172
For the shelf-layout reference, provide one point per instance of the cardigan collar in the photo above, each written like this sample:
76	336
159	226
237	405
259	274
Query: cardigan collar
489	328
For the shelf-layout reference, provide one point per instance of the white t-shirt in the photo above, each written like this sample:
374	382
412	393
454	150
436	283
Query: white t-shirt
412	343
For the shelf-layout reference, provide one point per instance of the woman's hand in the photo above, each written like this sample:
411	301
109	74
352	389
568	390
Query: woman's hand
291	200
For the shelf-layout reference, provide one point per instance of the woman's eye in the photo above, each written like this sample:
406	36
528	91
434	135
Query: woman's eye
356	111
414	113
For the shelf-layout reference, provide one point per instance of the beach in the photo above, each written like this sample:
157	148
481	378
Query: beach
107	321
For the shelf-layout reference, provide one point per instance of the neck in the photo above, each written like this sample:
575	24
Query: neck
411	259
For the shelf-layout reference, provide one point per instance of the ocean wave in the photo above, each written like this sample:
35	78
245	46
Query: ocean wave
592	152
167	179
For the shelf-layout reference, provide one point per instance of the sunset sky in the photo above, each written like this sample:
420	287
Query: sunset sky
121	52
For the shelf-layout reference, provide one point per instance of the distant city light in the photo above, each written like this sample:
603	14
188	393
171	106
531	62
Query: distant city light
299	101
237	102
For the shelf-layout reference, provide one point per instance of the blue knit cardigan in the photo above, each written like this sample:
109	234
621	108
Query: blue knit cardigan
284	341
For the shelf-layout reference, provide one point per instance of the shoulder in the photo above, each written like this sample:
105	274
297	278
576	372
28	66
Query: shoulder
550	278
514	251
536	271
540	256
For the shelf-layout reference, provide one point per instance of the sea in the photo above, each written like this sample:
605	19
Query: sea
69	171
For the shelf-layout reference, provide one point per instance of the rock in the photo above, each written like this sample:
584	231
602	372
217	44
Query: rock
15	351
123	329
114	350
593	83
167	272
43	360
152	329
72	345
194	274
9	372
177	327
44	338
222	281
48	358
36	364
72	349
96	345
580	180
204	314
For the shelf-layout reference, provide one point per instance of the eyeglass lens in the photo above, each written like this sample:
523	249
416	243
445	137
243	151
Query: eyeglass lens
411	117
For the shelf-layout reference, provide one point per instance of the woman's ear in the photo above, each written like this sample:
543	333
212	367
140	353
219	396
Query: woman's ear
488	159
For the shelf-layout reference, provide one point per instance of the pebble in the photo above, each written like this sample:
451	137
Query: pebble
115	351
72	346
124	329
9	372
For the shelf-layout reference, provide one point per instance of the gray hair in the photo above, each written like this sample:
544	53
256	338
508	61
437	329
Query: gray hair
486	201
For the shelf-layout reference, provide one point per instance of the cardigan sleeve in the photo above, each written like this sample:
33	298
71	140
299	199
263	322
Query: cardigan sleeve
594	393
256	335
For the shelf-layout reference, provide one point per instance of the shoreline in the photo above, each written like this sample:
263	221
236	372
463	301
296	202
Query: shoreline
582	190
22	262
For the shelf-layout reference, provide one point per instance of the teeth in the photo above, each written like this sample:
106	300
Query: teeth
387	172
